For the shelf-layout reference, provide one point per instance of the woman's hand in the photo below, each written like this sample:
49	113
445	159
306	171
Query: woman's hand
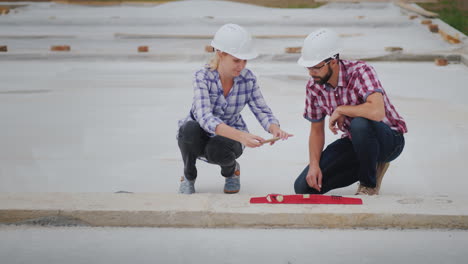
250	140
276	131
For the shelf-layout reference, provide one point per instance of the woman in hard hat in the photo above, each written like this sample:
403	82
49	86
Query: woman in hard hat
214	129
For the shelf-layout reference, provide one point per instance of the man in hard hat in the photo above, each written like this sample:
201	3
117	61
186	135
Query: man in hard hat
214	129
352	95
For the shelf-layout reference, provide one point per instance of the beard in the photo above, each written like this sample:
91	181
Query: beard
324	79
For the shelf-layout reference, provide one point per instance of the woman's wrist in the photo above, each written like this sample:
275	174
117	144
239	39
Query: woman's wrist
272	128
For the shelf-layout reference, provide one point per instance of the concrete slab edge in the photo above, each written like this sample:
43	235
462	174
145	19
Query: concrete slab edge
229	211
464	59
204	219
391	57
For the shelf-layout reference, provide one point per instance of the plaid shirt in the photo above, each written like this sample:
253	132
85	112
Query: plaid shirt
356	81
210	108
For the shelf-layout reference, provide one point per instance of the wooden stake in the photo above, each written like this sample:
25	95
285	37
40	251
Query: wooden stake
143	49
60	48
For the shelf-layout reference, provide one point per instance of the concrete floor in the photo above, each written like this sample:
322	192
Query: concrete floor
84	126
76	245
102	118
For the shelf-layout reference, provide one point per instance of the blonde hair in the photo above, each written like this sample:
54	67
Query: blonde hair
214	61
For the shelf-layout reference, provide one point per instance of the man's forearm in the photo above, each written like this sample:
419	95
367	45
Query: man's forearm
372	109
316	143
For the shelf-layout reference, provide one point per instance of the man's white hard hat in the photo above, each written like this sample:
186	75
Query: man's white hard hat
318	46
235	40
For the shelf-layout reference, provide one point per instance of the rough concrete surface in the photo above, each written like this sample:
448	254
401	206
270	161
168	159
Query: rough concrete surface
218	210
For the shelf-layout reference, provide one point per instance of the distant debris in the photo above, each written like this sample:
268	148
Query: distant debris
393	49
293	49
426	22
143	49
60	48
449	38
433	28
4	10
441	62
3	48
123	192
209	48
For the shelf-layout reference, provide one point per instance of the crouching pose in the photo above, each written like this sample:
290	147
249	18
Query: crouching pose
214	129
352	95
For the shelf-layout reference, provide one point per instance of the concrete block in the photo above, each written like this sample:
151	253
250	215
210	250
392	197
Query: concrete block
449	38
4	10
209	48
426	22
393	49
3	48
143	49
60	48
293	49
433	28
441	62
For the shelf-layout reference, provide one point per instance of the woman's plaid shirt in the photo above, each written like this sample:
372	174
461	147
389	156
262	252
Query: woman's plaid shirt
210	108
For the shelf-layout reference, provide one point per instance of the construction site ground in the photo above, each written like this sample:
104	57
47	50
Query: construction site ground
88	147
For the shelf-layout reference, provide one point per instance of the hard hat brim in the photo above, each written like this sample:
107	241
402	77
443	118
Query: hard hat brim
246	56
311	63
243	56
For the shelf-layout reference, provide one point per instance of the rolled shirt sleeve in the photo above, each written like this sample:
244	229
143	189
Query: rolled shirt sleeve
367	82
313	111
259	107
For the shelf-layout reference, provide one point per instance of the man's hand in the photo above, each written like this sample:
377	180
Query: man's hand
314	178
278	132
336	121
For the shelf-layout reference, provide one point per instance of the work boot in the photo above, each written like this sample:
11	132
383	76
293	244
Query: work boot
232	184
364	190
186	186
380	172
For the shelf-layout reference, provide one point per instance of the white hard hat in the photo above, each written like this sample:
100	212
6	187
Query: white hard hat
318	46
235	40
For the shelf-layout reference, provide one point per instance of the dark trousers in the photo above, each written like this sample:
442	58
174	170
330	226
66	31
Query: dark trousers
194	143
347	161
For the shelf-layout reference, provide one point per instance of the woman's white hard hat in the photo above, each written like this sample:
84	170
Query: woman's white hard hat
318	46
235	40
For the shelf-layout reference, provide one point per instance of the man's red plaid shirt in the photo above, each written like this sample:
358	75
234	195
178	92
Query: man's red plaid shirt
356	81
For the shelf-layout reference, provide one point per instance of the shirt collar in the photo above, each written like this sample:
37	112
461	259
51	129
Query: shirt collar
341	75
236	79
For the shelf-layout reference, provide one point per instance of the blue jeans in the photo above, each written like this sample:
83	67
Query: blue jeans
194	143
347	161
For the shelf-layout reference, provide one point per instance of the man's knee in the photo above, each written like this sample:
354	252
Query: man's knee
360	124
300	186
